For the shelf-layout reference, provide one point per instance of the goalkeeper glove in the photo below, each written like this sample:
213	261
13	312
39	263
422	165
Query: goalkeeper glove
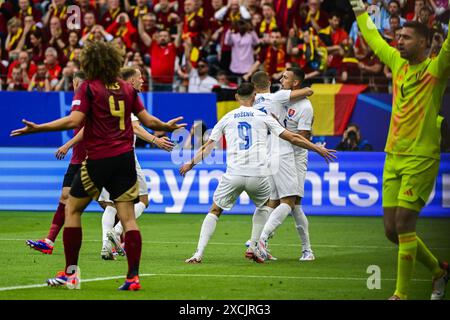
358	7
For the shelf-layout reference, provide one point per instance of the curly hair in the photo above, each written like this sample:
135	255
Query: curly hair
101	61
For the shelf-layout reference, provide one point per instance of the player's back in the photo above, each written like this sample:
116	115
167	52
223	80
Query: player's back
246	131
108	131
275	104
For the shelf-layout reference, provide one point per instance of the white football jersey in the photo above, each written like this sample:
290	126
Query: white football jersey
246	131
274	103
134	118
299	116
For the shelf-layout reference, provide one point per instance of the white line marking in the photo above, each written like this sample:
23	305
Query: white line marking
209	275
242	244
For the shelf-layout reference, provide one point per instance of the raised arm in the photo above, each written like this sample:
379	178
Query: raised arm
202	153
302	142
162	143
146	39
442	65
154	123
73	120
387	54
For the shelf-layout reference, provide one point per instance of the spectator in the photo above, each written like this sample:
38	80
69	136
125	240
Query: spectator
273	59
163	53
53	67
418	5
436	44
72	45
425	17
394	24
393	10
150	28
38	46
194	30
89	21
57	9
308	53
199	79
141	8
15	32
111	14
40	82
166	16
97	33
65	84
350	71
56	36
223	81
311	15
333	36
352	141
372	72
268	23
16	82
25	10
27	68
124	29
242	39
229	15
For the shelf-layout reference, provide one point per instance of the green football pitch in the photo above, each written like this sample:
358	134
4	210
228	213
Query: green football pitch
345	247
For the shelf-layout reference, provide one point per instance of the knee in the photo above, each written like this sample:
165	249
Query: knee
391	234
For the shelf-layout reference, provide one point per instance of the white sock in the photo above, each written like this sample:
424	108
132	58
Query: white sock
259	220
208	227
138	209
108	218
276	218
301	223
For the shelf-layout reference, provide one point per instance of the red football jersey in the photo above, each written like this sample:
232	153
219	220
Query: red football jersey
107	131
78	150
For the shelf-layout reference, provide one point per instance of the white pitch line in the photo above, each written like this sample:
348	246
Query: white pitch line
241	244
208	275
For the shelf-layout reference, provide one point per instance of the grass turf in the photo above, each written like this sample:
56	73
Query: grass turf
344	248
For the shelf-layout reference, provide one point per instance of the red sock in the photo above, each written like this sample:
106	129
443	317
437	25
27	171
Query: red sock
72	244
133	246
57	223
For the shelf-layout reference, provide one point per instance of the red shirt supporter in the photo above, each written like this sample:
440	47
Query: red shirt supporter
25	10
101	135
31	69
166	15
311	16
162	62
111	14
59	11
124	29
139	9
194	24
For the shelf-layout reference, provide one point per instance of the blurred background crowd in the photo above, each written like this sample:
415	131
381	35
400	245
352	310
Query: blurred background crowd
196	46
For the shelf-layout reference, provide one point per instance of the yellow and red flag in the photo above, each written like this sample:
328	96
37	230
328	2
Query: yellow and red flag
333	106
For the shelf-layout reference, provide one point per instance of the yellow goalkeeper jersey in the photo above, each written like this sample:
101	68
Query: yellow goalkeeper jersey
417	95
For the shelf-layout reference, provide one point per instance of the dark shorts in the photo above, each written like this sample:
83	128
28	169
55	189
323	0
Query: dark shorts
71	172
116	174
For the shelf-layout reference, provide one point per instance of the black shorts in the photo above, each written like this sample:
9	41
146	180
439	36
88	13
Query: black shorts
116	174
72	170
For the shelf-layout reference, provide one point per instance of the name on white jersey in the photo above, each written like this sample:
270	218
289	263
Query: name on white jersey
243	114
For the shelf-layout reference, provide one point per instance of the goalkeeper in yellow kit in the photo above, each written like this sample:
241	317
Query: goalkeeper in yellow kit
412	146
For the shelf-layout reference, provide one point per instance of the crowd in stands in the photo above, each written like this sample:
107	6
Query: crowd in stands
196	46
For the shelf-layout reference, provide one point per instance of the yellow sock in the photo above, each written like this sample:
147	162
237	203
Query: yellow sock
407	250
425	256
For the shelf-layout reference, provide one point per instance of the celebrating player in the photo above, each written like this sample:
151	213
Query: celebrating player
245	131
288	182
412	146
280	153
105	103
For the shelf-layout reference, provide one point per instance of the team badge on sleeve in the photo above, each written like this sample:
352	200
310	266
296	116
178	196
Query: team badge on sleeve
291	113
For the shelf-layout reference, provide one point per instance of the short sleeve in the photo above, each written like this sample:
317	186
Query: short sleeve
218	130
138	106
273	125
282	96
81	101
305	117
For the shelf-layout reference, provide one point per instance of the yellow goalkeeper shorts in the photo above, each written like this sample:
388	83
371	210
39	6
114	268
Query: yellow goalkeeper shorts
408	181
